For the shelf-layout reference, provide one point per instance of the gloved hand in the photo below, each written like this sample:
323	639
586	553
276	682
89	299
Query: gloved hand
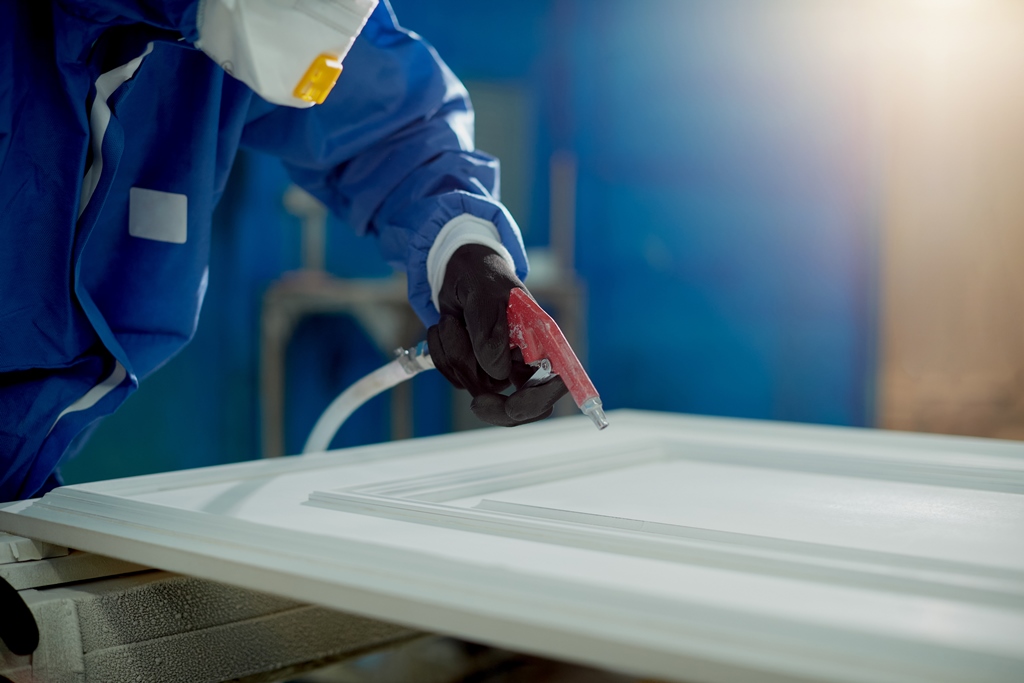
470	344
18	629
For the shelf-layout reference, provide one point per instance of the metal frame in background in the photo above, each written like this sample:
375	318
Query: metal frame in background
381	308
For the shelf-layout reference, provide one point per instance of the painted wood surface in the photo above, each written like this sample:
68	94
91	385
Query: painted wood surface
686	548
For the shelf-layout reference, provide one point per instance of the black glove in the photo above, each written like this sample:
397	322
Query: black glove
18	628
470	344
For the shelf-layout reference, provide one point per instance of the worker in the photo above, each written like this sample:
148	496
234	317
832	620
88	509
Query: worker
119	122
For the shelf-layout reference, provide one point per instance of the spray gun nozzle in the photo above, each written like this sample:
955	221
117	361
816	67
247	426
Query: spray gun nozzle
593	409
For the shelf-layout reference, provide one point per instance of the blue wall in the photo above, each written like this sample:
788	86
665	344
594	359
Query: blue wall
725	226
725	215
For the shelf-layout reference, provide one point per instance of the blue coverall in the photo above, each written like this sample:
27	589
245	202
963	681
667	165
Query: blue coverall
116	139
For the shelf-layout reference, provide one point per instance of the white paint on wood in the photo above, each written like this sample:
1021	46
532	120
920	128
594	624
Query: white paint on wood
69	568
17	549
670	546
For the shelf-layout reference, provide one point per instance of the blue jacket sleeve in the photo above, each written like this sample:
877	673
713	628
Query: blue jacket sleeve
391	151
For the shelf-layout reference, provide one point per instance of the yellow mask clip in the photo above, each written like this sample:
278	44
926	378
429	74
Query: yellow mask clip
319	80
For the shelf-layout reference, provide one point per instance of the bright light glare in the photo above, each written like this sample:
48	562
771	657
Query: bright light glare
946	40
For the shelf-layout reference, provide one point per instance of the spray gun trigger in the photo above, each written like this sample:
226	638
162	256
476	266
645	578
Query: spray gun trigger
542	374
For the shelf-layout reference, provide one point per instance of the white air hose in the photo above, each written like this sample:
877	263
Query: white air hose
410	362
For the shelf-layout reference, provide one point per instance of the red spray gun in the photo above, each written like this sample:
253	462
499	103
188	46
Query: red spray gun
545	348
543	345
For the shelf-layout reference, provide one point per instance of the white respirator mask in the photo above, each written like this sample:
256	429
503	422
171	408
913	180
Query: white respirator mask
288	51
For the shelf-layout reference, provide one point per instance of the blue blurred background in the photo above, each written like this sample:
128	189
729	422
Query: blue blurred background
725	226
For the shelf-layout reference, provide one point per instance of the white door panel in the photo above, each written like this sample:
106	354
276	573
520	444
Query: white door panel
670	546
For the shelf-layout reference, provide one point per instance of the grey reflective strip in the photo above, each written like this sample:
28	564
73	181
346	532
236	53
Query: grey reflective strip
99	119
93	396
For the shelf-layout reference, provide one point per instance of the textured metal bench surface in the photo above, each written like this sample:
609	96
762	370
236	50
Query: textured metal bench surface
157	626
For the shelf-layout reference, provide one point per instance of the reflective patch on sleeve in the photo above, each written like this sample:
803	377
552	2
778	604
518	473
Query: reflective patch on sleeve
93	396
159	216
